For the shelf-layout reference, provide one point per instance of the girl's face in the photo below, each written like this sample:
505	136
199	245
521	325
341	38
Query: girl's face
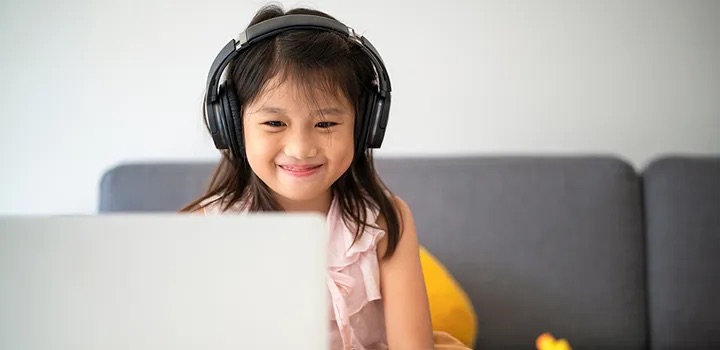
296	147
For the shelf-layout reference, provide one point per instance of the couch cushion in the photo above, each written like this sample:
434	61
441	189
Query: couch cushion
153	187
682	197
539	244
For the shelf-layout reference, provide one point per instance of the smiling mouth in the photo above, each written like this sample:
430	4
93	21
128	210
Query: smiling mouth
300	170
300	167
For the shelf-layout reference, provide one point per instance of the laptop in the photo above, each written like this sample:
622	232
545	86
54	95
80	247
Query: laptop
163	281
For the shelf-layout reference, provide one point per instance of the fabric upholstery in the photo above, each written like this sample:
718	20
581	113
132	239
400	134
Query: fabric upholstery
153	187
539	244
682	200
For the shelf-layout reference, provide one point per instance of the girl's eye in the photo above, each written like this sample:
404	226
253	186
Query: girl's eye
274	123
325	125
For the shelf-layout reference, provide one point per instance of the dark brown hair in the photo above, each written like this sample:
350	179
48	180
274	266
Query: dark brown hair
317	60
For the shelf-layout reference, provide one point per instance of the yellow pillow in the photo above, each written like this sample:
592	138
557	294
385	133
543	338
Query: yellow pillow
450	308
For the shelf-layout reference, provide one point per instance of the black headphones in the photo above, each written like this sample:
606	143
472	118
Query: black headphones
223	108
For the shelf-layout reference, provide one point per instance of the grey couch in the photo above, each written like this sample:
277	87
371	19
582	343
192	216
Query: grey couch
587	248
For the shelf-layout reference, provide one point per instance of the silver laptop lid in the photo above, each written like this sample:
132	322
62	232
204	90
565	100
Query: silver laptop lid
163	282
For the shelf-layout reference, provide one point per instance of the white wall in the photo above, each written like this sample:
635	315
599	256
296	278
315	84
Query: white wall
87	85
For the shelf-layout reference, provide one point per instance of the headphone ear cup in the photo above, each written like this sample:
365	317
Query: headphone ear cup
216	126
233	119
381	115
226	118
364	124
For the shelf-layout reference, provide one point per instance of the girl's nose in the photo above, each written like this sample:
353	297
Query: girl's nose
300	145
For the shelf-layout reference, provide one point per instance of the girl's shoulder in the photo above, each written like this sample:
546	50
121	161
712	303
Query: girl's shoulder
405	218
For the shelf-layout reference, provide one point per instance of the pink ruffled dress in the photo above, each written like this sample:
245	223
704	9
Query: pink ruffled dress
357	320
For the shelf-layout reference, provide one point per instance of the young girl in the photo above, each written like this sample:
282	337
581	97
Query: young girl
301	98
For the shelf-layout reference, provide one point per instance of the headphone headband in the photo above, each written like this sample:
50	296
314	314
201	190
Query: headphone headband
275	26
280	24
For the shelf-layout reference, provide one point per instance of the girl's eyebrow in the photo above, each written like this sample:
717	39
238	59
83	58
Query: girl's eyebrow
329	111
321	111
272	110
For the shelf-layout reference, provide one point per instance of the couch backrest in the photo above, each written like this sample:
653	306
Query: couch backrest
682	201
539	244
153	187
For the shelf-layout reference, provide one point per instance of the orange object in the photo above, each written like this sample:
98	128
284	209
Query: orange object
546	341
451	310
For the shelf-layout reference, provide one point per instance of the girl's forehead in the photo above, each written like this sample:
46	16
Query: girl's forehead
292	92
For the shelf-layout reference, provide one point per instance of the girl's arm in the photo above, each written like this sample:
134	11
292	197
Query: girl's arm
407	313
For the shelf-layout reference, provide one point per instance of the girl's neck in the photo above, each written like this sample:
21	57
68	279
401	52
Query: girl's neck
320	204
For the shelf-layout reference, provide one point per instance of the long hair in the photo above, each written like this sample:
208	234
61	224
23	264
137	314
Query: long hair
317	60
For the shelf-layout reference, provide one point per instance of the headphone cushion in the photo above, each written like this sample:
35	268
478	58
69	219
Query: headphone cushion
376	130
223	117
365	123
234	118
